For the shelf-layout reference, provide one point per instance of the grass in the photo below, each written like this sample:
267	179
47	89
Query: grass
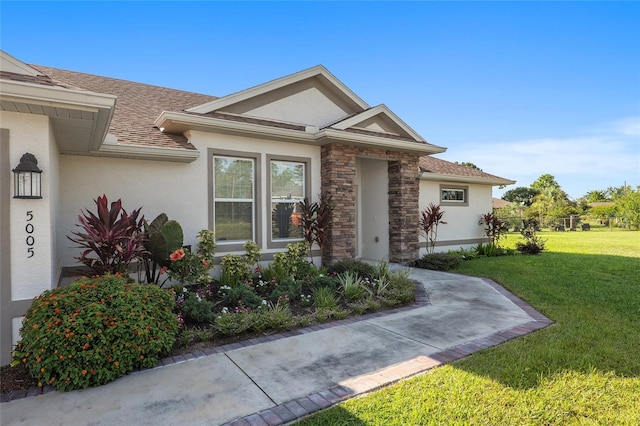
585	369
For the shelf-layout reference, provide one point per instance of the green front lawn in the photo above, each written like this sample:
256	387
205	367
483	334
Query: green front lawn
584	369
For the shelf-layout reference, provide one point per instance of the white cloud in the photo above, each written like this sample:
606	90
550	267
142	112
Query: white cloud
629	126
605	159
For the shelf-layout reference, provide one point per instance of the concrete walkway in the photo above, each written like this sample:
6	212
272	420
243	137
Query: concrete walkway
277	379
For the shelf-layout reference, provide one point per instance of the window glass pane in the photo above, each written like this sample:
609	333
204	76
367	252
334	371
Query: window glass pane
453	195
286	221
233	178
234	220
287	180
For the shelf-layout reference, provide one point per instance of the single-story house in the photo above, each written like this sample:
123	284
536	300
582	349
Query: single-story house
235	164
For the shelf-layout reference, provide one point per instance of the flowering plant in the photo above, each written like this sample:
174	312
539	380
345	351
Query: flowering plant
188	268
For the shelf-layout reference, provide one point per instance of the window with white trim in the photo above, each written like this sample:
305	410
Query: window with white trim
454	195
234	198
288	187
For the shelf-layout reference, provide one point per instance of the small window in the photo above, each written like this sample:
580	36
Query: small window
288	180
233	198
454	195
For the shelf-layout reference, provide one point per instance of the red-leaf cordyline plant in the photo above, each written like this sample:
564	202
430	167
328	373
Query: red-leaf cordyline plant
430	218
317	220
494	228
115	237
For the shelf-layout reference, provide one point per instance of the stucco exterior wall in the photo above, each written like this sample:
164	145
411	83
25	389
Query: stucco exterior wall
31	275
462	229
178	189
306	102
27	241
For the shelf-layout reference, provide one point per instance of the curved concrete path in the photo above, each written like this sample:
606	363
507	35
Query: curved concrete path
276	379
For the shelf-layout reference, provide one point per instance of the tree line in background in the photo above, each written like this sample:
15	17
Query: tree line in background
546	202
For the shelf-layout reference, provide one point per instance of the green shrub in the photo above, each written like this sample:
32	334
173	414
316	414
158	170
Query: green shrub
293	262
240	295
287	287
96	330
323	297
401	289
197	309
437	261
235	269
363	269
274	317
465	254
326	314
352	286
363	306
532	243
308	286
232	324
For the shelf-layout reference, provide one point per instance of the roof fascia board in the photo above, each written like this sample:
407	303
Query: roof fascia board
441	177
380	109
422	148
55	96
177	122
146	152
276	84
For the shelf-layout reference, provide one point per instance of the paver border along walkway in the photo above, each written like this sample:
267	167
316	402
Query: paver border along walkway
289	406
302	407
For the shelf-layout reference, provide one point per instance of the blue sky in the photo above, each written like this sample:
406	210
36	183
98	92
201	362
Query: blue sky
519	88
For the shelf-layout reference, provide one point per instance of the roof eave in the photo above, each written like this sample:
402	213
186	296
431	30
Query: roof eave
144	152
465	179
98	107
179	123
421	148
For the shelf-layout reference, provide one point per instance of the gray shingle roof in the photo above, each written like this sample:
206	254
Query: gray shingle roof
431	164
137	105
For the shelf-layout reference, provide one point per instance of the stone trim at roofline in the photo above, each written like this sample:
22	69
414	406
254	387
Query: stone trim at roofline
338	177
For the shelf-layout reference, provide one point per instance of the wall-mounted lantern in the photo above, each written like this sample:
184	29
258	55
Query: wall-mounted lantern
26	178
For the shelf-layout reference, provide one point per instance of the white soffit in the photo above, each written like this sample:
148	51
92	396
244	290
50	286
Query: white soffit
384	112
317	71
79	118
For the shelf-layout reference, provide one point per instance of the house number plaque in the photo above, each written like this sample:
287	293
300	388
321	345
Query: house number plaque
29	230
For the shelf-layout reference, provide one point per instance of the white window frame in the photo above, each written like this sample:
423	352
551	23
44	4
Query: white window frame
454	188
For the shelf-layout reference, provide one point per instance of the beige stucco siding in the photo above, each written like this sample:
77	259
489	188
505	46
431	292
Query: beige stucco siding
178	189
31	218
462	229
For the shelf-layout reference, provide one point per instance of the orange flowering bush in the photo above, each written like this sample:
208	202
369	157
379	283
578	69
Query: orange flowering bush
96	330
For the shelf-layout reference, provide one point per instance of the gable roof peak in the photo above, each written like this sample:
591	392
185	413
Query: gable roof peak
10	64
317	71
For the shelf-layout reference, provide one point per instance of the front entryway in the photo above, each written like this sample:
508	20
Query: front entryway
372	209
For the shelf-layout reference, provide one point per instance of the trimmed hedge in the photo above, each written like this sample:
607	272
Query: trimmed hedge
96	330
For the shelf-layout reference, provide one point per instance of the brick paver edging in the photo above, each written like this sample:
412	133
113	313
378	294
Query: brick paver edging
295	410
421	300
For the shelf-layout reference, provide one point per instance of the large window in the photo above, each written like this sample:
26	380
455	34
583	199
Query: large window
288	181
454	195
234	198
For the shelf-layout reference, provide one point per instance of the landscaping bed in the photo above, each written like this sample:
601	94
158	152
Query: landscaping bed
217	314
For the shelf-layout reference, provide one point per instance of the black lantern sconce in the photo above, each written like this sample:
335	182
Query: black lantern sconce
26	178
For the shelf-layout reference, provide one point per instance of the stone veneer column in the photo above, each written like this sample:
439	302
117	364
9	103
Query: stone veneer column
338	174
404	192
